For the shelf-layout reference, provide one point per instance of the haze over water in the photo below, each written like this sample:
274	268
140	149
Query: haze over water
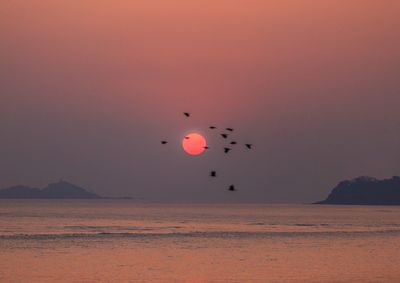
89	88
115	240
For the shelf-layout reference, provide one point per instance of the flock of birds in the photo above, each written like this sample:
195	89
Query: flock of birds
226	149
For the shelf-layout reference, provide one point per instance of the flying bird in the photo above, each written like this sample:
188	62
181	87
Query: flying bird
225	135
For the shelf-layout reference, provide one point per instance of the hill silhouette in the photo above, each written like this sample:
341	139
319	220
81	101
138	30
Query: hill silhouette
59	190
366	191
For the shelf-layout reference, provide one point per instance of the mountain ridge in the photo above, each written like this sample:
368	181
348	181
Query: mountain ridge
57	190
365	190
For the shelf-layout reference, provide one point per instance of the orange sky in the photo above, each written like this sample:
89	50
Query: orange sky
293	75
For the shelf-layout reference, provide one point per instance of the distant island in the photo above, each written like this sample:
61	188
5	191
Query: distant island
366	191
59	190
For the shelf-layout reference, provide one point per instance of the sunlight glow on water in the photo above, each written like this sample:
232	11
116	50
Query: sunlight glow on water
110	240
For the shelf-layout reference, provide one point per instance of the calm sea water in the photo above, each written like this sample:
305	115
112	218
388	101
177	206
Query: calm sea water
124	241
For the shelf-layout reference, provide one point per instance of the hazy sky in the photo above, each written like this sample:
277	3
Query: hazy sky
89	88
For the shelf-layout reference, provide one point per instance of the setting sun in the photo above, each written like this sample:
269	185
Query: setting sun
194	144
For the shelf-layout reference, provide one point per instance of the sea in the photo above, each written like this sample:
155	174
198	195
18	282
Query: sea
127	241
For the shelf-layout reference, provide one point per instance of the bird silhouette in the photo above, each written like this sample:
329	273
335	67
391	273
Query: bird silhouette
228	132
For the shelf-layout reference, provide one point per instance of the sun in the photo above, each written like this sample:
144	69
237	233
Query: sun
194	144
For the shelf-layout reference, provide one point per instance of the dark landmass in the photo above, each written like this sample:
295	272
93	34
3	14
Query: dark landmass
59	190
366	191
